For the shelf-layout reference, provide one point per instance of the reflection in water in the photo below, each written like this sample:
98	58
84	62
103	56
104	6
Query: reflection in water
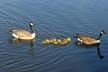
30	49
91	46
99	53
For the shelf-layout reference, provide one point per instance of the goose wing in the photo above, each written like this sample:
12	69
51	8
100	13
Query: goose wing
21	33
88	40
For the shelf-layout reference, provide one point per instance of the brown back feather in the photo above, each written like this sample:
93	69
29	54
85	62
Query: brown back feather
87	40
22	33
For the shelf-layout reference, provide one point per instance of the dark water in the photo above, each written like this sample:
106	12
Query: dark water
53	18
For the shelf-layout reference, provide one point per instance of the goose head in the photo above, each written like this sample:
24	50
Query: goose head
31	27
32	30
102	32
31	24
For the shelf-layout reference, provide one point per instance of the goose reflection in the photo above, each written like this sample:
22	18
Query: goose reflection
97	46
99	53
31	44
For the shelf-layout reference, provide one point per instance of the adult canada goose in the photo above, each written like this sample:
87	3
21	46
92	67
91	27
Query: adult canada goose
89	40
24	35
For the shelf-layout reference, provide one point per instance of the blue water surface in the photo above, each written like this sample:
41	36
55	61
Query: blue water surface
53	18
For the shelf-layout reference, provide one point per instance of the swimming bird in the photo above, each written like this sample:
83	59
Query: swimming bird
46	41
87	40
23	34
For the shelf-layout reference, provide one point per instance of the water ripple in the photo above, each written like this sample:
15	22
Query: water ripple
52	19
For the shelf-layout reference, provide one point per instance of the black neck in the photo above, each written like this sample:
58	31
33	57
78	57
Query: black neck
32	30
99	36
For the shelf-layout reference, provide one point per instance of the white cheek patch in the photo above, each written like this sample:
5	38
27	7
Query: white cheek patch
31	24
14	35
102	32
79	40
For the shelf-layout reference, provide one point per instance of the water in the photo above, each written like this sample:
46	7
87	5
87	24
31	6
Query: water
51	19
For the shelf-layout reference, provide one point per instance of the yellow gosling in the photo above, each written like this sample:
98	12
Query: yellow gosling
53	40
46	41
56	43
59	41
65	41
69	39
62	43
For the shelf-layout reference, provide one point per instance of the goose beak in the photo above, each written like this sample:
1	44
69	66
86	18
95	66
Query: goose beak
105	33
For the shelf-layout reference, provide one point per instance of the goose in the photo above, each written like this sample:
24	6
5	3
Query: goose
87	40
24	35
